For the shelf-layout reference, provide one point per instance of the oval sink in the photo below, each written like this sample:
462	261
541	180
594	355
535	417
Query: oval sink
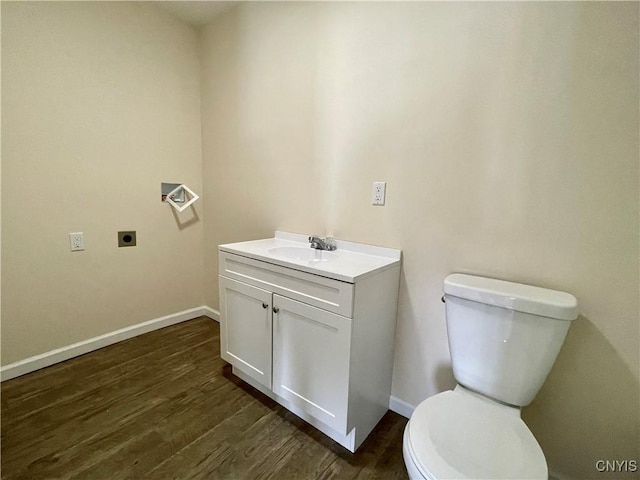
302	254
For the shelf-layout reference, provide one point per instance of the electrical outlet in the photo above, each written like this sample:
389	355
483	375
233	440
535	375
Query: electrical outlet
378	193
77	241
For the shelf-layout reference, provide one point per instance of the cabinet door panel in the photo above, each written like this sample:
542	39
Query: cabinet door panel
245	328
311	360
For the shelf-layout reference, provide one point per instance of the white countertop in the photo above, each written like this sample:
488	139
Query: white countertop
348	263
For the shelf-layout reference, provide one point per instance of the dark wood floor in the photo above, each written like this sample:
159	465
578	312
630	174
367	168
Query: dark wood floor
164	405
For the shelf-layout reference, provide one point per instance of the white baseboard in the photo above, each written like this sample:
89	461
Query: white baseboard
47	359
210	312
401	407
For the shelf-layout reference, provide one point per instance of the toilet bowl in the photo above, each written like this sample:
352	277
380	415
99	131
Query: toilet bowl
460	435
503	339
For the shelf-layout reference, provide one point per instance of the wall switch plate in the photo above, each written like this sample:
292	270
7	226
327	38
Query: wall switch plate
127	239
378	193
76	240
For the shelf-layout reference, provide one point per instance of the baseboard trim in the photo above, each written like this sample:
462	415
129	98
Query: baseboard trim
401	407
211	313
52	357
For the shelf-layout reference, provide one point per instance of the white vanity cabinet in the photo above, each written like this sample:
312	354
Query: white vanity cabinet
246	331
302	333
311	350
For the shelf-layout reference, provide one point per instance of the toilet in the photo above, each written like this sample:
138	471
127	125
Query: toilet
503	339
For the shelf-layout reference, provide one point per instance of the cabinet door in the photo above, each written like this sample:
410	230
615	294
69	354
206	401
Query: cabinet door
311	360
245	328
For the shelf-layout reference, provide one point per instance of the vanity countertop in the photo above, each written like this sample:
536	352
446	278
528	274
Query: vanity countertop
348	263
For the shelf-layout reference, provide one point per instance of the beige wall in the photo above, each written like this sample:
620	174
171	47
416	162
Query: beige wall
508	135
262	167
100	104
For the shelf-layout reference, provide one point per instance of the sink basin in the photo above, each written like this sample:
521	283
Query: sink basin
351	262
302	254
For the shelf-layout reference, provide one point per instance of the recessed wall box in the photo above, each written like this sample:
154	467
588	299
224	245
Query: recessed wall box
168	188
127	239
186	192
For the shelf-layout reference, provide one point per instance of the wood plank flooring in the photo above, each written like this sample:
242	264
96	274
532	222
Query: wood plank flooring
165	406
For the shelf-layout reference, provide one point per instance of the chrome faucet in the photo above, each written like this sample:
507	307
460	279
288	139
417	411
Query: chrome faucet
320	243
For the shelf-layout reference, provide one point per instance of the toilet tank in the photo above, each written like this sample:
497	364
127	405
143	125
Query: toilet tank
504	337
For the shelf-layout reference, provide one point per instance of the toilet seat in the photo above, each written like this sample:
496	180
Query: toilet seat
458	434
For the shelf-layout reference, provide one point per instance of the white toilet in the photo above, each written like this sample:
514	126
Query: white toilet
503	340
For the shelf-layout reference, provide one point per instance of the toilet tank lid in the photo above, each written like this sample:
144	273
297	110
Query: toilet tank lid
514	296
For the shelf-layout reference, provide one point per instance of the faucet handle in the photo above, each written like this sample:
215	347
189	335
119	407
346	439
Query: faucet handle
330	243
320	243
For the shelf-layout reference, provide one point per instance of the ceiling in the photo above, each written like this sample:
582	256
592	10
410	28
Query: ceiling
195	13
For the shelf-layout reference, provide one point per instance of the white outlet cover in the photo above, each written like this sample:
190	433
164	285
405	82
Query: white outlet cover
378	193
76	241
